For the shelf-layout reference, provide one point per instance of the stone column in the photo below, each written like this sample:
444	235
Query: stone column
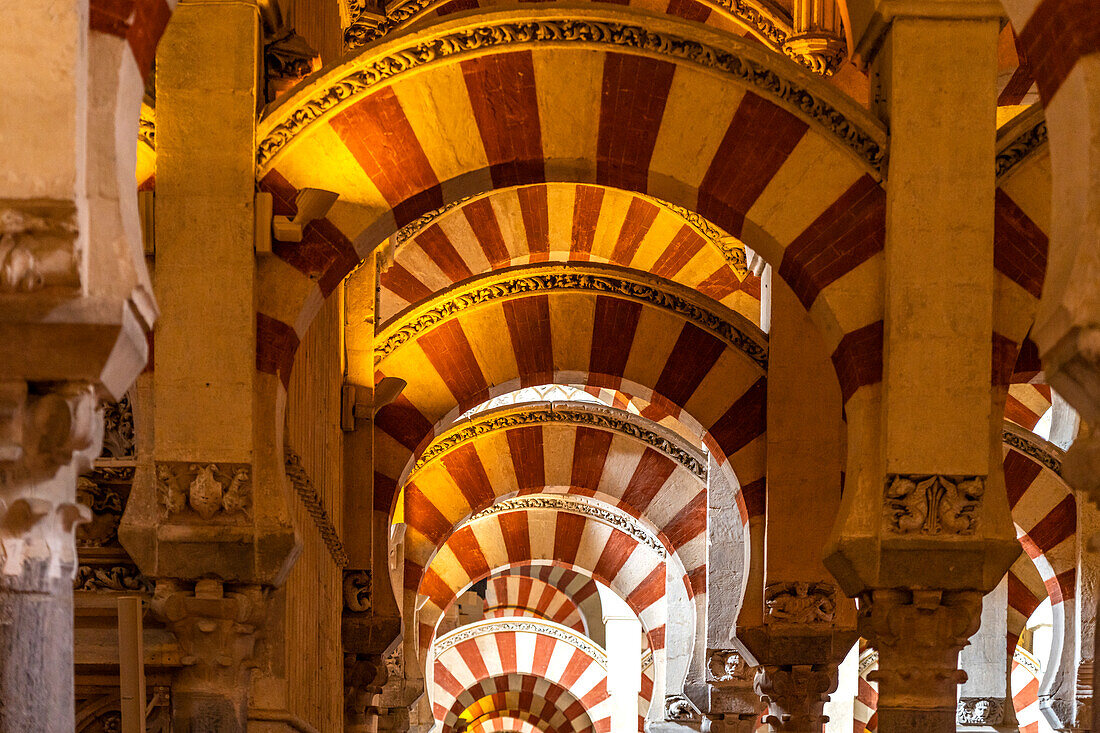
985	699
924	503
47	438
217	630
624	665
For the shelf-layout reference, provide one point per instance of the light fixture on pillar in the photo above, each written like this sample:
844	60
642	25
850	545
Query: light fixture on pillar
312	203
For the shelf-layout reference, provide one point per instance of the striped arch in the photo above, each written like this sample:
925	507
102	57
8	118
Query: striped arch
1024	680
800	188
508	595
541	703
632	564
563	222
593	325
1027	403
580	588
575	449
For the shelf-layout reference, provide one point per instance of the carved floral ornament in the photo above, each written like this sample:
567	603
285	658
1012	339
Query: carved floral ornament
753	346
204	489
932	504
866	144
38	247
357	591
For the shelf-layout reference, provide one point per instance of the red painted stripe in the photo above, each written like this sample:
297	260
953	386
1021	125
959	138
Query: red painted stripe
684	245
544	648
534	209
404	422
1020	414
649	591
1002	359
568	532
506	646
379	136
385	489
483	221
615	553
1020	473
847	234
404	284
1017	87
587	203
1019	245
276	345
1028	364
1059	524
689	523
468	473
651	474
439	249
759	139
720	283
1057	35
457	6
446	681
1063	586
470	653
694	355
528	322
423	516
150	19
689	10
467	550
613	327
517	536
754	494
449	352
639	218
697	580
528	463
1020	596
744	421
110	16
505	106
635	90
858	359
590	448
574	668
434	587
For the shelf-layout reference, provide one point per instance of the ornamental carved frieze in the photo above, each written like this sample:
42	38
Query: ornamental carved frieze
800	603
574	505
1026	442
933	504
1022	147
726	668
980	711
204	490
519	625
599	283
357	591
38	247
606	418
118	429
613	35
111	578
106	502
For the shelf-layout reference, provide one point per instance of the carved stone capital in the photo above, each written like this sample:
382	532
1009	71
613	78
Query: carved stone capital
39	247
47	436
216	628
822	52
796	694
918	635
364	677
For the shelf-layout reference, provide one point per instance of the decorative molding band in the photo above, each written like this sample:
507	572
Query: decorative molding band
1022	147
418	322
608	419
410	230
616	35
497	626
112	578
303	487
574	505
932	504
1031	445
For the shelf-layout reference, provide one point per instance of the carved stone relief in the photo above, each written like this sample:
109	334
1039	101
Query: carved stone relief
38	247
933	504
800	603
726	667
204	490
980	711
357	591
679	708
118	429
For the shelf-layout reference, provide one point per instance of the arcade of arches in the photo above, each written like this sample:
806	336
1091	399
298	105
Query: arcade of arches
549	367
